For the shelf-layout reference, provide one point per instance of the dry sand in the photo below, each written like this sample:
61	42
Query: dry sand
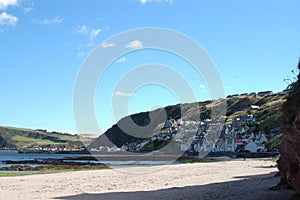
236	179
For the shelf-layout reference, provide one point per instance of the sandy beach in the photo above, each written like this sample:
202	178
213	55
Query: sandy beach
236	179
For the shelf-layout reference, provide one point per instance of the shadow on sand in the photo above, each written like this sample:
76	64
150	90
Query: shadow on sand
247	187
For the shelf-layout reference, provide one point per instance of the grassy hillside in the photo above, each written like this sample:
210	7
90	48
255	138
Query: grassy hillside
268	114
26	138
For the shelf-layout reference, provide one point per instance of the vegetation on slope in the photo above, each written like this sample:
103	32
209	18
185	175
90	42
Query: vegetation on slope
275	142
268	114
26	138
289	161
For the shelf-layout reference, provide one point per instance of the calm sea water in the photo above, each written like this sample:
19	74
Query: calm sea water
15	156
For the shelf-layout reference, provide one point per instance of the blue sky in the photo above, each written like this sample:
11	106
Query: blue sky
254	44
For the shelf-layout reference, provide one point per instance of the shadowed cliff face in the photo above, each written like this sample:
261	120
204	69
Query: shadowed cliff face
289	163
145	127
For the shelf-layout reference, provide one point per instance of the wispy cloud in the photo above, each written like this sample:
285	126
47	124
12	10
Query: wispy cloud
55	20
94	33
28	10
123	94
81	54
7	19
84	30
6	3
159	1
144	1
91	35
122	60
108	45
134	44
202	86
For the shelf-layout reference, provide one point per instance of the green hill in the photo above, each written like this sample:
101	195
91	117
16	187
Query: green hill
17	138
267	112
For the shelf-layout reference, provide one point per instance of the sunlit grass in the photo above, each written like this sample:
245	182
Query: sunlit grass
56	169
10	174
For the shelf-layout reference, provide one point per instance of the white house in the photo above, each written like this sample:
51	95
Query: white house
184	147
254	107
263	139
251	146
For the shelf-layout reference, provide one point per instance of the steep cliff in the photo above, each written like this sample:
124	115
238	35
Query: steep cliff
289	163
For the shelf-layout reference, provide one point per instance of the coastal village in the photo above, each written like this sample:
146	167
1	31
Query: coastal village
207	136
235	137
239	134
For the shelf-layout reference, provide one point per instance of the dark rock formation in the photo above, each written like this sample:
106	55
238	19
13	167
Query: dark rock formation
289	163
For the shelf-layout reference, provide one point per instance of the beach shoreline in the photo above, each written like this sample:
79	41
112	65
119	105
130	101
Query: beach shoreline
235	179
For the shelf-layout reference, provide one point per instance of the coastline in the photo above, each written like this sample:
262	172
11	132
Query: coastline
236	179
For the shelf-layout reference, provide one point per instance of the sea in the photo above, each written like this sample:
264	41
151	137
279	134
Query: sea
16	156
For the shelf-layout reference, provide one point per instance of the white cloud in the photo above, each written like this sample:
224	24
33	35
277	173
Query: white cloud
83	30
80	47
91	34
144	1
55	20
6	3
7	19
122	60
122	94
202	86
94	33
81	54
28	10
134	44
159	1
108	45
91	44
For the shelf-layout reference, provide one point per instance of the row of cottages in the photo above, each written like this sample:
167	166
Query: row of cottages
206	139
250	143
266	93
196	136
177	129
244	94
234	137
165	135
109	149
261	94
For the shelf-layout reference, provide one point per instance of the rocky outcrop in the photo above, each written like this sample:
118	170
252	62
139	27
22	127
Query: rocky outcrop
289	163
